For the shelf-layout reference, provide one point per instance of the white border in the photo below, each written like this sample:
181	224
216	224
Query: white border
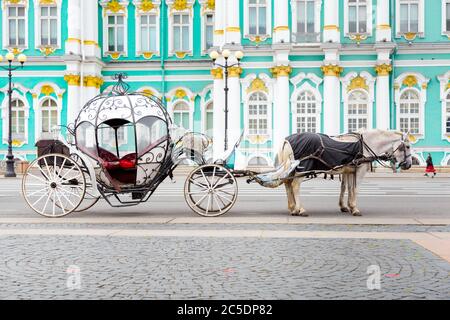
370	81
368	21
5	29
155	11
37	23
105	14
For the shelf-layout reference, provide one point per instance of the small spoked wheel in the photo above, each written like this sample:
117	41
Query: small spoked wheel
54	185
210	190
90	198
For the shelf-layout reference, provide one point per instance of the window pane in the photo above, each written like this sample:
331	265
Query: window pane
262	21
144	39
53	31
44	31
176	39
185	38
310	17
301	23
152	39
414	16
362	19
403	18
209	36
21	33
352	19
12	32
120	39
111	36
252	20
448	16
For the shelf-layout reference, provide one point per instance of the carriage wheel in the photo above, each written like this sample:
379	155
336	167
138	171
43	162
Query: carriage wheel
210	190
89	199
54	185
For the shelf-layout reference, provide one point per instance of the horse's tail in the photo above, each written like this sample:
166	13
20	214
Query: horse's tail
280	157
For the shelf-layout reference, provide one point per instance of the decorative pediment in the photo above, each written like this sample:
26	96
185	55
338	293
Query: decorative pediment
358	82
147	5
410	80
114	6
180	5
257	85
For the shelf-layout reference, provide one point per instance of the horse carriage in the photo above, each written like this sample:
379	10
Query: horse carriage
123	146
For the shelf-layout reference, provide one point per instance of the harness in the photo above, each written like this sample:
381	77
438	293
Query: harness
359	158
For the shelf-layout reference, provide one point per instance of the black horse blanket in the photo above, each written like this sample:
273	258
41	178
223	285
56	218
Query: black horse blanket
320	152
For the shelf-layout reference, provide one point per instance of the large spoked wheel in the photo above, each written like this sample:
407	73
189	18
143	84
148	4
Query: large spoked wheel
54	185
210	190
89	199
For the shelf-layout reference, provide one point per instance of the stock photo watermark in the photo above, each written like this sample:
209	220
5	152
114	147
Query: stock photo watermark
374	280
73	277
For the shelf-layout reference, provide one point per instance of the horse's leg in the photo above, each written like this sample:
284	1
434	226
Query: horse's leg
342	205
356	179
290	196
352	195
299	210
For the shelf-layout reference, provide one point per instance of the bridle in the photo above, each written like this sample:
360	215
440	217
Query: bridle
386	157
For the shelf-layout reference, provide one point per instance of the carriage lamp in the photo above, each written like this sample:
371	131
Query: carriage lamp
226	54
10	173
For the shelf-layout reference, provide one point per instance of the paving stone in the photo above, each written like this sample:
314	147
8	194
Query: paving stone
34	267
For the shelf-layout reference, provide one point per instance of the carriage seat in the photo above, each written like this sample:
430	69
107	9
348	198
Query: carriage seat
111	162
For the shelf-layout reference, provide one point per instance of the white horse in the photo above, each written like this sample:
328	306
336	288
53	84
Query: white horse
377	144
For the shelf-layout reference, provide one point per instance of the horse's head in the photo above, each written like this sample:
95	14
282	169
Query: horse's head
402	151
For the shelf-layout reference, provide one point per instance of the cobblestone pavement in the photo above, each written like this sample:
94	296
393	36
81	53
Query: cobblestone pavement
218	268
233	226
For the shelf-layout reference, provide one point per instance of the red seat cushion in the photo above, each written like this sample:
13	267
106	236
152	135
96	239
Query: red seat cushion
128	161
108	159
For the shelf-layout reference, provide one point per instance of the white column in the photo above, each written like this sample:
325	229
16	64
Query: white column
90	29
232	31
219	23
382	96
383	29
332	100
281	28
331	21
234	106
281	105
73	98
73	27
218	113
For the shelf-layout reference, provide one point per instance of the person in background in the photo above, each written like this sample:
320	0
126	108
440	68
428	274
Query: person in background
430	167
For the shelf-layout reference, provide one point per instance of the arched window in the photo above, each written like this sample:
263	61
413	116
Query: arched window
18	120
448	162
358	111
447	114
258	161
209	118
257	10
49	116
181	115
306	112
258	114
409	113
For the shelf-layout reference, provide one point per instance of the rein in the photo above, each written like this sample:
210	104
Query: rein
384	157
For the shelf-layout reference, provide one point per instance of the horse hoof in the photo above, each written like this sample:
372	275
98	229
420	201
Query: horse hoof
345	210
356	214
298	214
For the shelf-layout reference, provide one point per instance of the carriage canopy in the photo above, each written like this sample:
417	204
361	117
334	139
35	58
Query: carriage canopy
126	133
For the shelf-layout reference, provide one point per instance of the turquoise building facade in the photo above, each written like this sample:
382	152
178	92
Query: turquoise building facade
329	66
